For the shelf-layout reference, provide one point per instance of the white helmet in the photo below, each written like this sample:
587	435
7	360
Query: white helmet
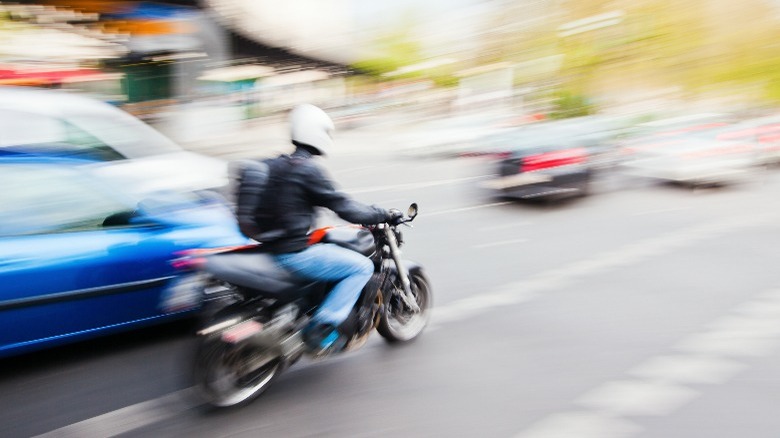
310	125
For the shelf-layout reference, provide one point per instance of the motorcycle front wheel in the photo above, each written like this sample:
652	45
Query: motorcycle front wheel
399	323
227	374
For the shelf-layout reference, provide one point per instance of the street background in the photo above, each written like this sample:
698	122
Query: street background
646	309
643	310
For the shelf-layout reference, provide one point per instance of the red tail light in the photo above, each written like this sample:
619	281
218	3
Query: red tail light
760	131
549	160
737	135
769	138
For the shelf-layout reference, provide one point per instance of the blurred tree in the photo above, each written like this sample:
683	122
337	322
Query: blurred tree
396	48
699	46
693	44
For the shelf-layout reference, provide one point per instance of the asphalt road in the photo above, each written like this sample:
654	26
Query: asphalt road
644	310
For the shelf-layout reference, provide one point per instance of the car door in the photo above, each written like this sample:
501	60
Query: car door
65	270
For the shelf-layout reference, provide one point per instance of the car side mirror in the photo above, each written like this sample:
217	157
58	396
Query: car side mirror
122	218
128	217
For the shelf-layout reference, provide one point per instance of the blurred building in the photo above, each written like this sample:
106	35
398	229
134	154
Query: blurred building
346	31
605	53
137	45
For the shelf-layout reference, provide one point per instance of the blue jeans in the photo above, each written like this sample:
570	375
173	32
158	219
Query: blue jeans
329	262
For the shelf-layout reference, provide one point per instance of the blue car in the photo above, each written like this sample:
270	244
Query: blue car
80	258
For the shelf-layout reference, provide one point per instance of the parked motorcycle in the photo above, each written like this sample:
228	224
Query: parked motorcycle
247	343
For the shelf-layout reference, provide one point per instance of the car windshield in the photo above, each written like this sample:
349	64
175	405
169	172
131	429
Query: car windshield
129	136
105	136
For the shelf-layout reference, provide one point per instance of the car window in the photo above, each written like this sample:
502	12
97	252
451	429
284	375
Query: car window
87	142
22	128
40	199
30	132
129	136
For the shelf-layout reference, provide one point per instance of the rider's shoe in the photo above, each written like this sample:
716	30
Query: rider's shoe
322	338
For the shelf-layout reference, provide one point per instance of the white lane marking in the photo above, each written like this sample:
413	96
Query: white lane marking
126	419
462	209
773	294
500	243
466	307
504	226
661	210
368	168
658	387
415	185
356	169
637	397
557	425
581	425
763	308
564	276
726	344
391	202
688	369
756	326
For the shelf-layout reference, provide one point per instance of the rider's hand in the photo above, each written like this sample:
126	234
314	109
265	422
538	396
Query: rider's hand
393	215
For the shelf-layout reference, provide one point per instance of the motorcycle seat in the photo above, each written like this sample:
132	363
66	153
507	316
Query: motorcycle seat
254	270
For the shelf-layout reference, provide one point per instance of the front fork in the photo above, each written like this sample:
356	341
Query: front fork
395	252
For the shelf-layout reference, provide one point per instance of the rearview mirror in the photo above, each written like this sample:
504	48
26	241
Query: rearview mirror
412	212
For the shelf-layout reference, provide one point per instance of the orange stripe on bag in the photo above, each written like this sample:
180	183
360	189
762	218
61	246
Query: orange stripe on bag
317	235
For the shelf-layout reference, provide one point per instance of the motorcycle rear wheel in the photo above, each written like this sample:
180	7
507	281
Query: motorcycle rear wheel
401	324
231	375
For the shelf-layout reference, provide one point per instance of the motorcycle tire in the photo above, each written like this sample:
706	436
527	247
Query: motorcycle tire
219	372
399	324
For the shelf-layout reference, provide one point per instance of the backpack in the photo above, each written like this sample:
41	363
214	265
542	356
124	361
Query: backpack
255	188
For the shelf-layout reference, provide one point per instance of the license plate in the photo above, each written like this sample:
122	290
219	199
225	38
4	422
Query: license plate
521	179
239	332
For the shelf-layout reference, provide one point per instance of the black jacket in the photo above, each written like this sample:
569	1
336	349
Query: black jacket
302	186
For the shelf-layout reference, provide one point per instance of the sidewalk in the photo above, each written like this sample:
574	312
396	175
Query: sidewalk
270	136
255	138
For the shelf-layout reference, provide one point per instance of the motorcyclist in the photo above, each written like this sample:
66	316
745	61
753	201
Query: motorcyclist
303	185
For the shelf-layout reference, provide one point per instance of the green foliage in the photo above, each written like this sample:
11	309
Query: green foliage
444	80
398	48
570	104
697	45
376	66
773	90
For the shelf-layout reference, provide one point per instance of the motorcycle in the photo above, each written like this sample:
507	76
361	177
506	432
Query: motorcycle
257	331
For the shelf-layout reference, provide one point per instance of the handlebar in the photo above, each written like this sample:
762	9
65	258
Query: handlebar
411	213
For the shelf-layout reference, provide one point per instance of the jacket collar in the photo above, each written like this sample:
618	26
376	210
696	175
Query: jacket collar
302	153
